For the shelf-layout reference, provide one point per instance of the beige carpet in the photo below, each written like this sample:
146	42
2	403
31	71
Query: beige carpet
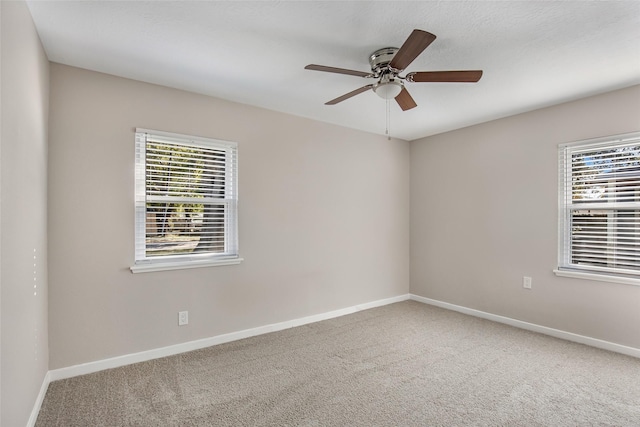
405	364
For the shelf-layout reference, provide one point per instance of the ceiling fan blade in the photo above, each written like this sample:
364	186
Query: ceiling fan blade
469	76
336	70
405	101
412	47
349	95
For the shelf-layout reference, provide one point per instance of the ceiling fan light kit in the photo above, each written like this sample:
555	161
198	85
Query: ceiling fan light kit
388	87
387	64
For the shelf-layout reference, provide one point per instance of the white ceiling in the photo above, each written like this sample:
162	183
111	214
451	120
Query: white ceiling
533	54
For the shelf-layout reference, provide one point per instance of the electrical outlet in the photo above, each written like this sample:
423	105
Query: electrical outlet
183	318
526	282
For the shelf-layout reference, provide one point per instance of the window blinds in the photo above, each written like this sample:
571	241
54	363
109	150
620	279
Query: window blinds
186	197
600	205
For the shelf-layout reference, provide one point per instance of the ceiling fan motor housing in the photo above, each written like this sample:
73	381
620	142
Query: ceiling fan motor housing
380	59
388	85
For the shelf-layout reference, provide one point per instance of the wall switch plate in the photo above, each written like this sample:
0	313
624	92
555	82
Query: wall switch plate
183	318
526	282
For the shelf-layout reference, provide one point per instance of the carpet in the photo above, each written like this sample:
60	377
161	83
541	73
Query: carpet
404	364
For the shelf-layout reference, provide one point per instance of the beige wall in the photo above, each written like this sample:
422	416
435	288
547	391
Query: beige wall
323	222
23	221
484	214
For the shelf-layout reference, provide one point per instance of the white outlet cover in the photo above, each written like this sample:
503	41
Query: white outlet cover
183	318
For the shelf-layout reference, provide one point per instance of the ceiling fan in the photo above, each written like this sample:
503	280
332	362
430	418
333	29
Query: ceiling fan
387	64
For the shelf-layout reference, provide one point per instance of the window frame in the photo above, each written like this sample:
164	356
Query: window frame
230	255
566	267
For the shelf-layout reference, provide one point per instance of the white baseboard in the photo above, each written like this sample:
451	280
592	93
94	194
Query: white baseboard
36	407
128	359
557	333
114	362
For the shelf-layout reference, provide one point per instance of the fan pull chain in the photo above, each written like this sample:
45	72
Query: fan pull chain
388	130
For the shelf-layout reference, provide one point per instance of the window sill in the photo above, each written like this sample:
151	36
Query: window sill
598	277
182	265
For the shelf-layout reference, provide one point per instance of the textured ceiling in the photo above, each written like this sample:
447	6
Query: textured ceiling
533	54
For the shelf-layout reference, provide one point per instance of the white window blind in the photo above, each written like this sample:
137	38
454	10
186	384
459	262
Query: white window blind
599	202
186	199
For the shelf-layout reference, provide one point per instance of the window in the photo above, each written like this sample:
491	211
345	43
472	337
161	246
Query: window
186	202
599	202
